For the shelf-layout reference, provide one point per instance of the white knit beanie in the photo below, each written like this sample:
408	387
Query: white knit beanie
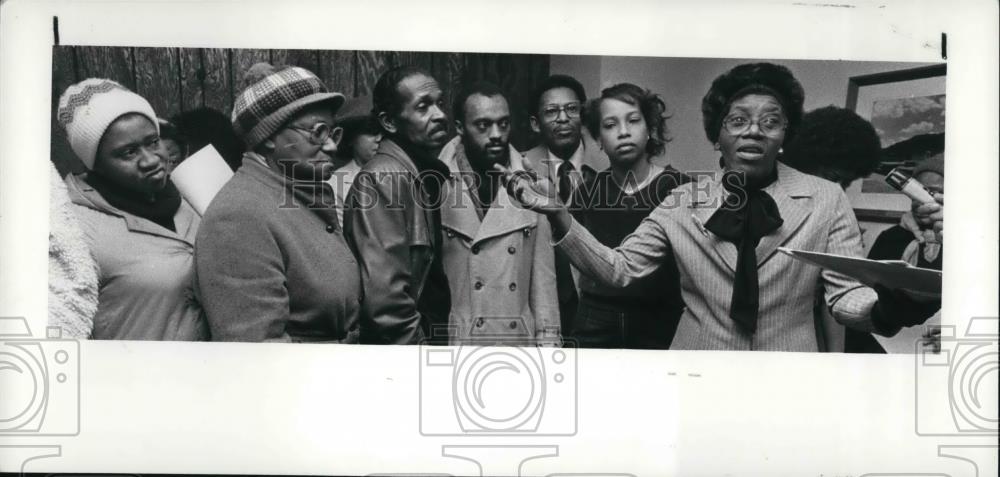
87	108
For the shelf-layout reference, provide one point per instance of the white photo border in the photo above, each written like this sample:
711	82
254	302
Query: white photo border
223	408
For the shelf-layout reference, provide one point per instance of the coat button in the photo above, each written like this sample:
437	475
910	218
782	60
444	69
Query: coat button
331	229
478	286
511	250
479	322
513	286
513	325
475	249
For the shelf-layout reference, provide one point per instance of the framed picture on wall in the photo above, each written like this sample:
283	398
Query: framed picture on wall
907	109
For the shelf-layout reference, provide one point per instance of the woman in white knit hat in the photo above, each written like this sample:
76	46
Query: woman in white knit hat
271	258
138	228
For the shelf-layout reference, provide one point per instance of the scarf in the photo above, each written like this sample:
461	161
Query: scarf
744	223
158	208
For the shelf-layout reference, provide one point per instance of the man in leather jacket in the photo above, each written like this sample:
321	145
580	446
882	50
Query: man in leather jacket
392	218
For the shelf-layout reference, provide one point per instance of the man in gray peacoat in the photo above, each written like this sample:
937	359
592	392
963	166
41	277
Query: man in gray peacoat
497	256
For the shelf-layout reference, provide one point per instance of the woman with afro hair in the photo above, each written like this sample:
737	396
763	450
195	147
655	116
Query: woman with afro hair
835	144
724	230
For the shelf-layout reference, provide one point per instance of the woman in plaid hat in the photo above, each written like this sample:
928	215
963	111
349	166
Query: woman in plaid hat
271	259
138	228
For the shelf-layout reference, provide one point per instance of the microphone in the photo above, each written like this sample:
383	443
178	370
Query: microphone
909	186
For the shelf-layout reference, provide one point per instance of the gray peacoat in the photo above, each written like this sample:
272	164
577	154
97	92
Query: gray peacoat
500	269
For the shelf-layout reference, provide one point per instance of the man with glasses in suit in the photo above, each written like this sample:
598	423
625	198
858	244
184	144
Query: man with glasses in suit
567	157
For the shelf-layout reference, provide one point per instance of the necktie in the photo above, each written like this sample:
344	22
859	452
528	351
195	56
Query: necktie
567	181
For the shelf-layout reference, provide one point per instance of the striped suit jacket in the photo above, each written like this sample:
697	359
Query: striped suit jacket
817	217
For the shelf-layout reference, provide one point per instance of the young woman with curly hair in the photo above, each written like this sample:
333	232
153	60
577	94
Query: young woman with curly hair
629	124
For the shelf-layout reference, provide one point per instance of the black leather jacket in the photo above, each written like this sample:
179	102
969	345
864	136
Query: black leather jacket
393	225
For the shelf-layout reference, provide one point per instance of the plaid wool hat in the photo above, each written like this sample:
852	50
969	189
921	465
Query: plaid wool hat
87	108
273	96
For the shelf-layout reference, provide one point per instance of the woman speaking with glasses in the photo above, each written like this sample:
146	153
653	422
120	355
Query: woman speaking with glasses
724	231
272	263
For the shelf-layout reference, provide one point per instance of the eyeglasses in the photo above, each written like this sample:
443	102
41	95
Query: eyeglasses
551	112
769	125
321	132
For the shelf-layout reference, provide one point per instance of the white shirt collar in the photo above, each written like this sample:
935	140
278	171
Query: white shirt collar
576	159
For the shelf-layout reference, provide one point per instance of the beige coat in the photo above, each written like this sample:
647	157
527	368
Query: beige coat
145	272
500	270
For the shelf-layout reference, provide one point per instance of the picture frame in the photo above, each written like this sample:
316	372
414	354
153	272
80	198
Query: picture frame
906	107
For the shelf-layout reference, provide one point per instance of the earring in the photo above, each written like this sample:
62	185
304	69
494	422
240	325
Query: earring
716	146
781	150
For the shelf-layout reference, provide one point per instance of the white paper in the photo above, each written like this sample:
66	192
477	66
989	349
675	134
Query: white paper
200	177
892	274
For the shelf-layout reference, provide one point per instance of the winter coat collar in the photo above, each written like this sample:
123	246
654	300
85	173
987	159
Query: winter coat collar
84	195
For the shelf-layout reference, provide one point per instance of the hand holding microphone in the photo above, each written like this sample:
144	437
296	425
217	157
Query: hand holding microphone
909	186
930	211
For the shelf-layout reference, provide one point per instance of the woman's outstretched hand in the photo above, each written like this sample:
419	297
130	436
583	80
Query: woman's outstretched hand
530	191
538	195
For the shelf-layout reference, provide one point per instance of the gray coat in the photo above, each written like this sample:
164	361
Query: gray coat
271	269
500	269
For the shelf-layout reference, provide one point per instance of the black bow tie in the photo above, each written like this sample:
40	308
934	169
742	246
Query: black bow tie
746	216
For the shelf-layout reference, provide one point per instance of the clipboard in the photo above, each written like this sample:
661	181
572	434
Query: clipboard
892	274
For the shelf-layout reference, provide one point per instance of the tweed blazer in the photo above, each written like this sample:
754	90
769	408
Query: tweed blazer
817	217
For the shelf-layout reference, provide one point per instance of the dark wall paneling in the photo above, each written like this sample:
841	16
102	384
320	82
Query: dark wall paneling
192	74
371	64
63	70
180	79
520	74
157	79
481	66
63	75
241	60
447	69
337	70
110	62
307	59
412	58
216	85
